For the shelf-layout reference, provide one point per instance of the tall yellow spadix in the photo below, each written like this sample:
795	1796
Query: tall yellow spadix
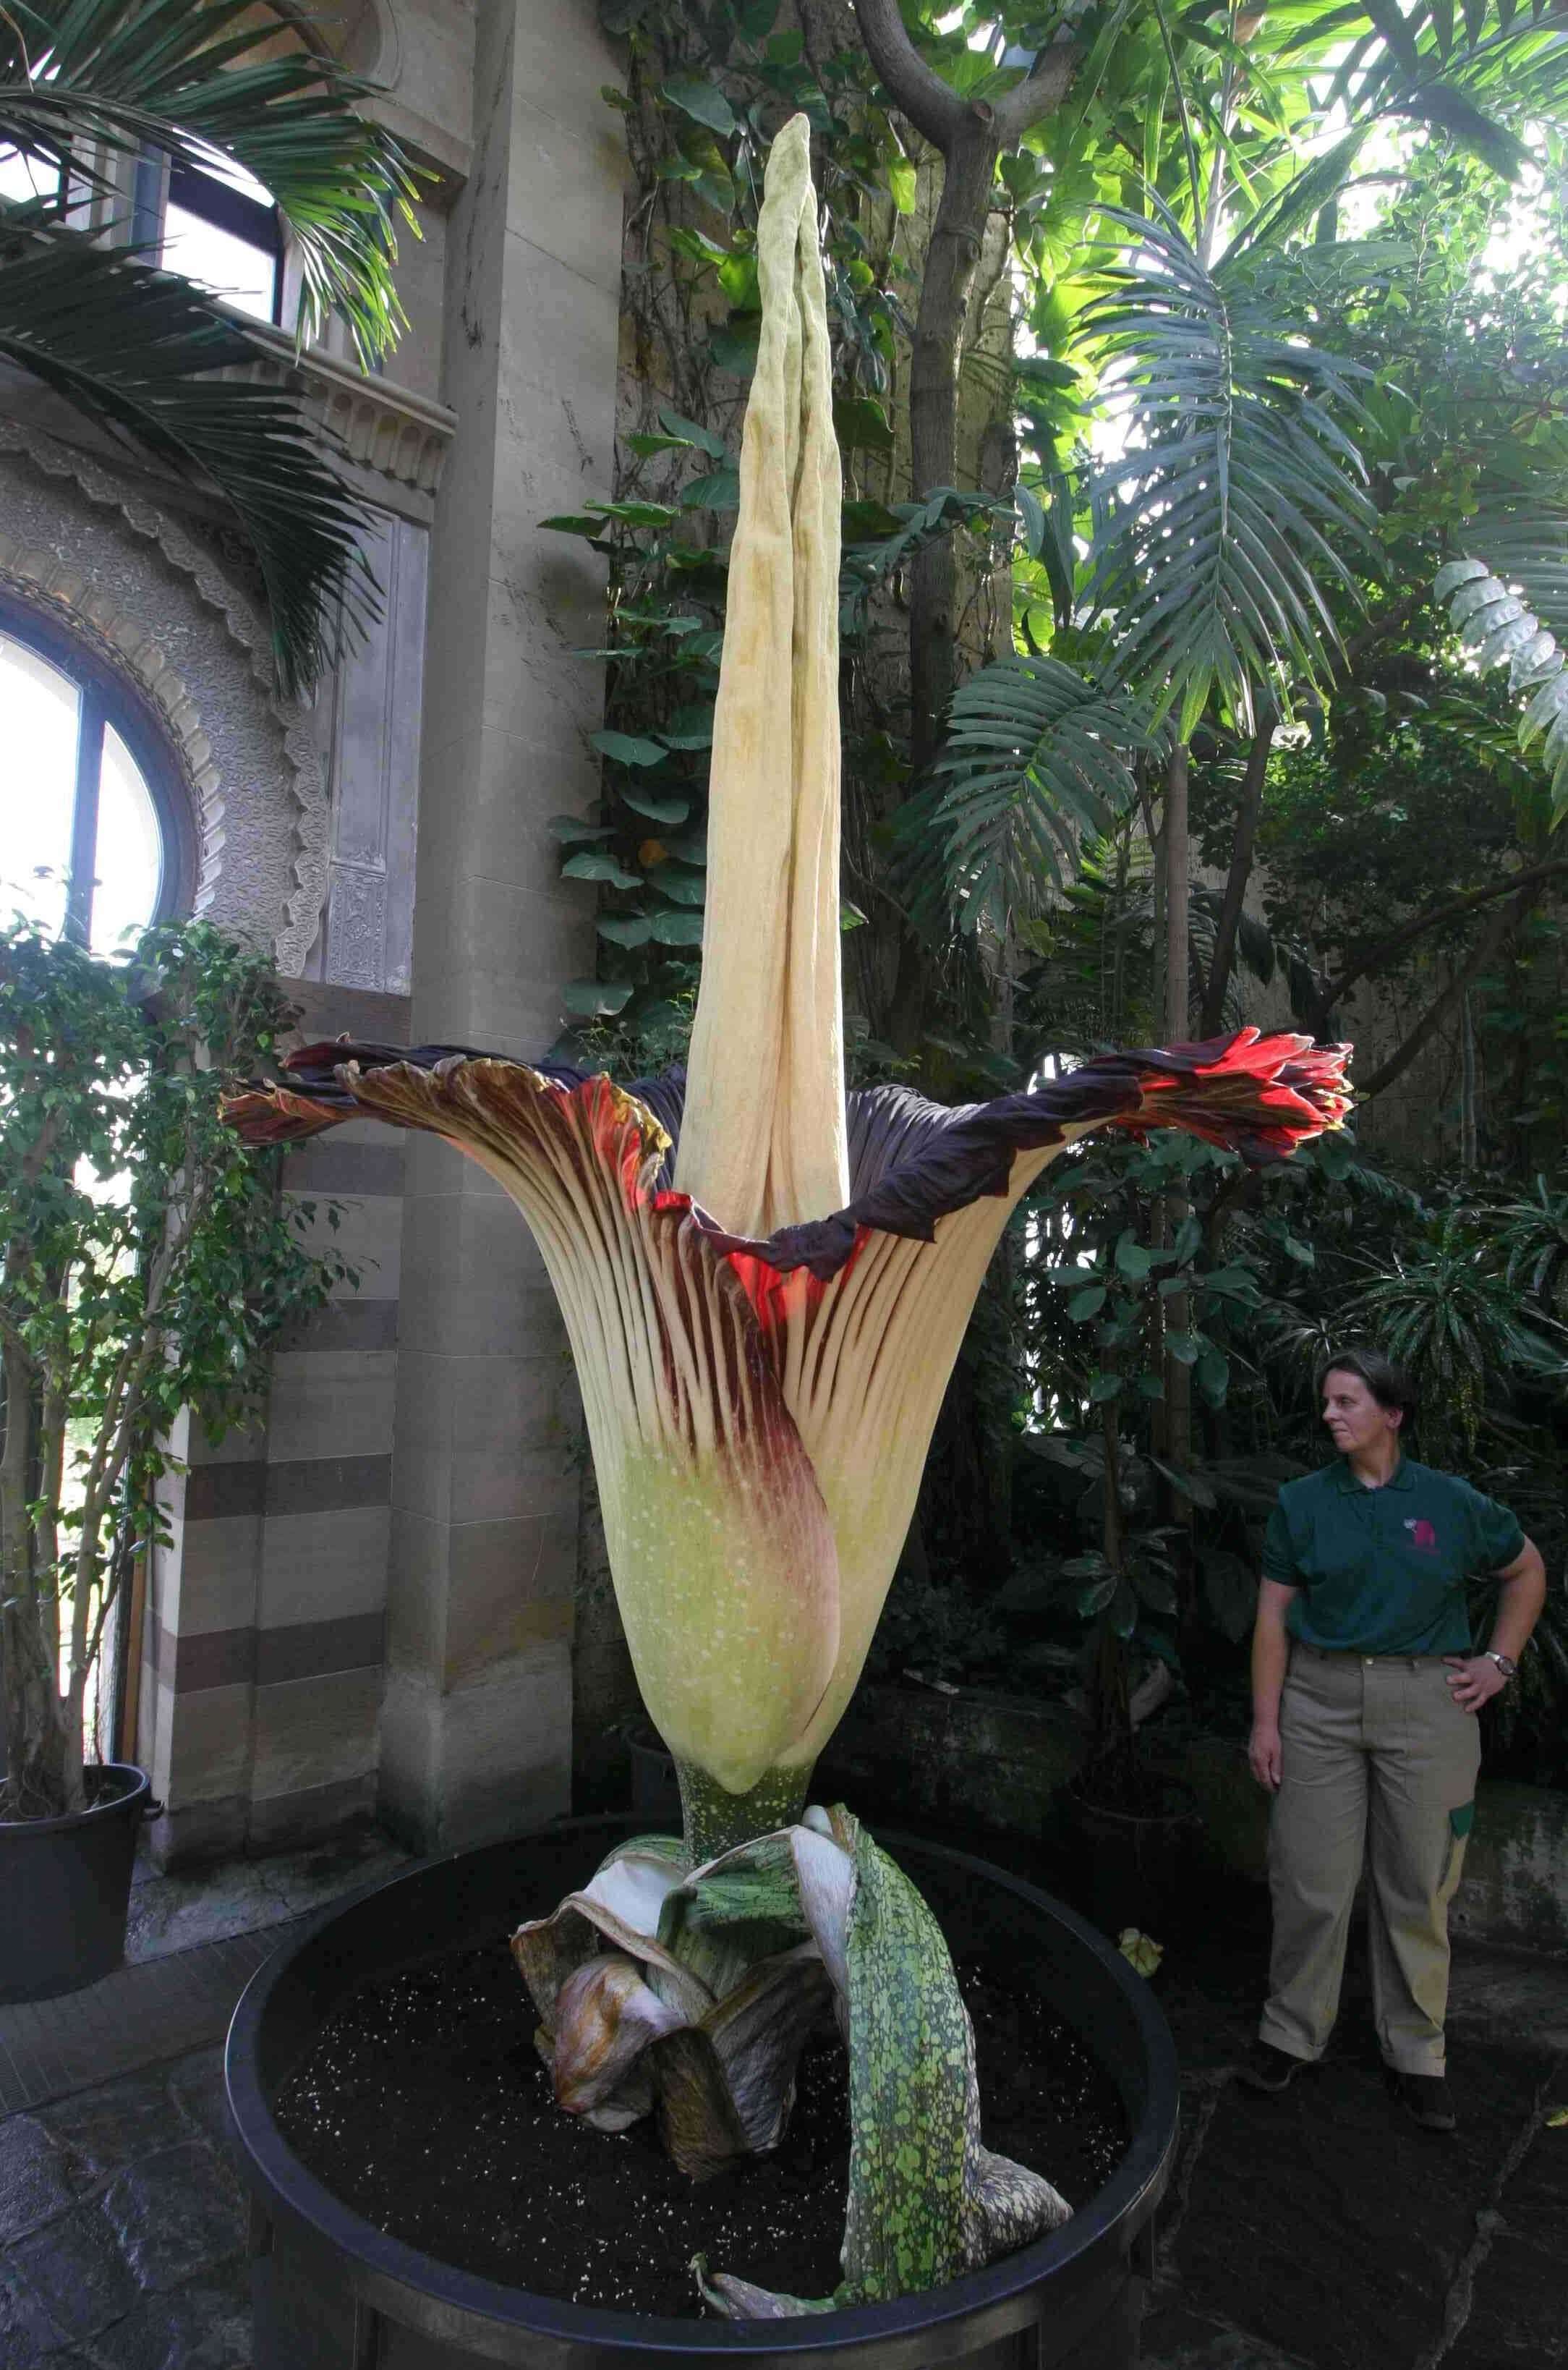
763	1141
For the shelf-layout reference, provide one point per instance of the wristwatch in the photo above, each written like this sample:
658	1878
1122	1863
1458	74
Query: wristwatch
1505	1663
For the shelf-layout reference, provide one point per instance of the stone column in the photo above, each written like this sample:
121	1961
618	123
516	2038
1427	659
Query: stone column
476	1720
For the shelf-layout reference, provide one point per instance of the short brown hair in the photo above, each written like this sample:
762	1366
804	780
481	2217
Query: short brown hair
1389	1384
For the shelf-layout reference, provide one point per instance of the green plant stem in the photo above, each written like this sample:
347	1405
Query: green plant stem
713	1820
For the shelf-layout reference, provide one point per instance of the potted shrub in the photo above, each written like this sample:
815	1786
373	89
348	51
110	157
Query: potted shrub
146	1267
765	1285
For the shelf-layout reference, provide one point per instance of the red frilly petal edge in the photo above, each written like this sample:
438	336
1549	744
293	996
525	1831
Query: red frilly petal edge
912	1161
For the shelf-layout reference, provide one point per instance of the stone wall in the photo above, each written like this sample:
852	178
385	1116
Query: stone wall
368	1600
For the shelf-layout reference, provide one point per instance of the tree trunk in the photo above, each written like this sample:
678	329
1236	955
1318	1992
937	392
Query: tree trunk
1176	1377
970	168
1236	880
1487	947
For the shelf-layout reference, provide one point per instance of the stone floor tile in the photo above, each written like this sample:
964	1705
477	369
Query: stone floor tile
117	2121
238	1896
196	2085
75	2266
176	1913
174	2214
27	2334
1518	2314
204	2326
37	2177
1535	2201
1176	2339
1330	2189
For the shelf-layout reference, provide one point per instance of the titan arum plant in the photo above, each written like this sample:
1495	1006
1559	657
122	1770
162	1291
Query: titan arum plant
765	1283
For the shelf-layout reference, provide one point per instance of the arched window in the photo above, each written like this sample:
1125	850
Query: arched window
94	838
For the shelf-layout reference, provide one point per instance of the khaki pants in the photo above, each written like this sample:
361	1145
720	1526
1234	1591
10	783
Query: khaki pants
1374	1753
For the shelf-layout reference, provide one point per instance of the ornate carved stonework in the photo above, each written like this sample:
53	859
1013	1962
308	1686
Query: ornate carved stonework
388	429
78	541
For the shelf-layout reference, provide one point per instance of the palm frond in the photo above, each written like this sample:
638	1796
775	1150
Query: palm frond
175	76
1503	606
136	350
1036	759
1219	519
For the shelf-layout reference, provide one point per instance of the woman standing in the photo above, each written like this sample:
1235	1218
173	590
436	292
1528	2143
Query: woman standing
1364	1695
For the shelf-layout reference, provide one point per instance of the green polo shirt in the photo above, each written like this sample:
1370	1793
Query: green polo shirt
1383	1572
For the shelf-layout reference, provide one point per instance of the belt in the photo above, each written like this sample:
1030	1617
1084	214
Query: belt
1349	1654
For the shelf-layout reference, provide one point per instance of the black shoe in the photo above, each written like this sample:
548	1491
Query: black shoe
1268	2068
1426	2097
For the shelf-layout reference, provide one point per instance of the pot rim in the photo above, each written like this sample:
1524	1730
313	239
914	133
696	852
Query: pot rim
1127	2200
135	1798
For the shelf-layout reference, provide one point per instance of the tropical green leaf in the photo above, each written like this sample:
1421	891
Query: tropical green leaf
684	929
1035	758
598	864
625	929
1504	606
178	80
596	998
628	748
138	351
703	102
1222	520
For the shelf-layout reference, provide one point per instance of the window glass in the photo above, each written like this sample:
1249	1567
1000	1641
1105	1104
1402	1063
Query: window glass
220	229
26	177
40	707
42	775
128	866
230	267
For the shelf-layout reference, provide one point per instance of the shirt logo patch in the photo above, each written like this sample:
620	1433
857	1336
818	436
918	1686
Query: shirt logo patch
1421	1534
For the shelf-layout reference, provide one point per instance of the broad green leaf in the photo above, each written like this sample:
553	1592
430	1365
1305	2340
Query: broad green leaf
680	886
644	802
625	929
861	424
734	346
574	522
677	929
901	183
596	998
1086	1304
571	827
628	749
707	440
644	445
704	102
598	864
719	490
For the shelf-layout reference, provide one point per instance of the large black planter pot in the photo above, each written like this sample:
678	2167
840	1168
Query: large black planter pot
332	2293
66	1884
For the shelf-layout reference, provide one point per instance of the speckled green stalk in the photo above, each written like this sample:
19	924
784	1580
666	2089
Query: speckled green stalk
715	1821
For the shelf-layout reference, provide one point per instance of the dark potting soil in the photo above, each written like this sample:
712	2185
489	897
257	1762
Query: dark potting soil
424	2107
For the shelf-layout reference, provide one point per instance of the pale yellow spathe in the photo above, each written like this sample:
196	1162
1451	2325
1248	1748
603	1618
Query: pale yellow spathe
763	1141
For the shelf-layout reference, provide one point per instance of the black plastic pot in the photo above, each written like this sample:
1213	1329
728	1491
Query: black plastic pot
334	2293
66	1886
